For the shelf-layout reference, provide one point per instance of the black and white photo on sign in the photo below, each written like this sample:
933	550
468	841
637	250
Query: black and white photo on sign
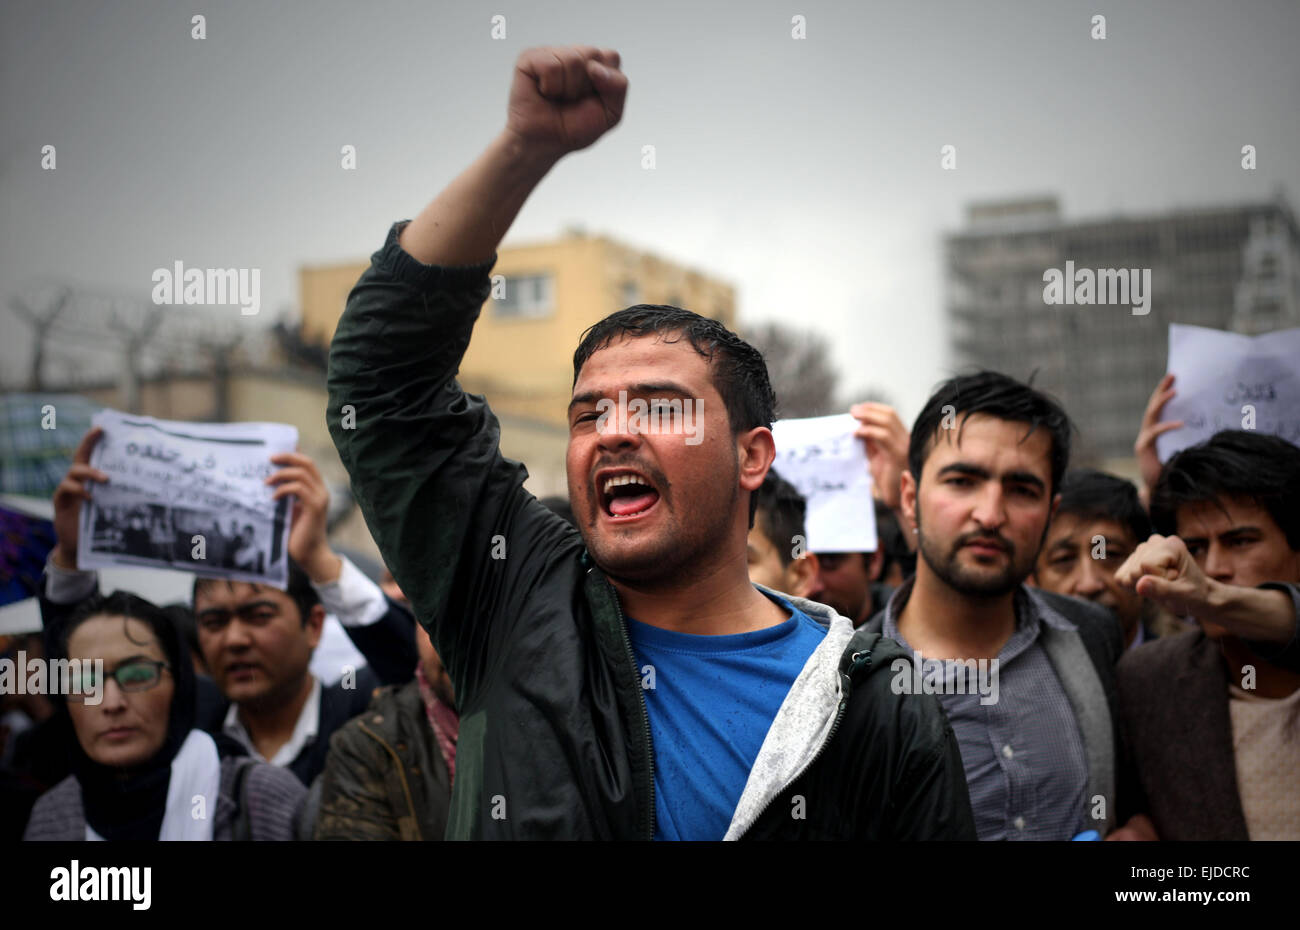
188	496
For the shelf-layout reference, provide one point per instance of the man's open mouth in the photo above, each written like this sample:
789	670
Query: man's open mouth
625	494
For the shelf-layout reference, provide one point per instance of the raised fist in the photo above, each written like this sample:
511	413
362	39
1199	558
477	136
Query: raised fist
565	98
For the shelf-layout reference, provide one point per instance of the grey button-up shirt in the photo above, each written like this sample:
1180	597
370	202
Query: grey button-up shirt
1024	756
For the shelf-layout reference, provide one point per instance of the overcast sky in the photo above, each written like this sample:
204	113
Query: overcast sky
806	172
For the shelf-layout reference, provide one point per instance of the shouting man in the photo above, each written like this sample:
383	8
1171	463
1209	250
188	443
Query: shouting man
625	680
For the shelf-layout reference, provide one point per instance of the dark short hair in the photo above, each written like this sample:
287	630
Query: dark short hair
997	395
1096	495
783	510
300	589
182	617
891	543
1239	464
126	604
739	371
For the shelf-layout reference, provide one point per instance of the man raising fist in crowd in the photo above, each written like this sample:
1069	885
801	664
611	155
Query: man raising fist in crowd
628	682
1210	714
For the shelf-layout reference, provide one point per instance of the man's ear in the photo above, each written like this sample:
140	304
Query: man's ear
875	563
756	450
315	625
908	488
801	574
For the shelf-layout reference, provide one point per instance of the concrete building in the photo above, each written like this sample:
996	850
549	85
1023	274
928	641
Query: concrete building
1233	267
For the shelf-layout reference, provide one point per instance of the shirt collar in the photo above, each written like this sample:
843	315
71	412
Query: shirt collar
304	731
1031	612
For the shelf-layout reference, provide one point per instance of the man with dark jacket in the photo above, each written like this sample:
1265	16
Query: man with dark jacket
389	772
1211	715
628	682
1039	745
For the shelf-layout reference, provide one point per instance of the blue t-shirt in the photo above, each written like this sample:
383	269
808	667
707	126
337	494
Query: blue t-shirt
713	700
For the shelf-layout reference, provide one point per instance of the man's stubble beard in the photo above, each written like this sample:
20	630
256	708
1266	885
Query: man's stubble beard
680	557
948	569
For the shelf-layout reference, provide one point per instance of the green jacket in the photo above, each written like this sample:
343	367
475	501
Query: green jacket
554	737
385	777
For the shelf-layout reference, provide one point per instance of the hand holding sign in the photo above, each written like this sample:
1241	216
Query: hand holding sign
308	542
887	441
68	498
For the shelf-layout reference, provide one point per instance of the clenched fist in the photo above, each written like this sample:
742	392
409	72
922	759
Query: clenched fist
565	98
1161	569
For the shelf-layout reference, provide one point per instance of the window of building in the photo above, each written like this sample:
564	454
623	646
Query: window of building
526	296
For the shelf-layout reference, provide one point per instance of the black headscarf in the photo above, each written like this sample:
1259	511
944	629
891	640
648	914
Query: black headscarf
129	804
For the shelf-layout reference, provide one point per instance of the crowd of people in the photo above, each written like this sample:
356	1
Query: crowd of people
660	656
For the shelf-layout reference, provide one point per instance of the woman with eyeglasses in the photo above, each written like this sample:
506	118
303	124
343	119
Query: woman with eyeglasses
140	770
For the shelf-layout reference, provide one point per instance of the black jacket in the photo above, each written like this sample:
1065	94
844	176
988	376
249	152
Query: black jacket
554	738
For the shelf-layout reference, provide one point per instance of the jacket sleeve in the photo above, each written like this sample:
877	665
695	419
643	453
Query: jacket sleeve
60	592
1286	655
932	801
388	644
448	512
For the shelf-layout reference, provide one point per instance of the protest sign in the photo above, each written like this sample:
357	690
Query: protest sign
822	458
190	496
1230	381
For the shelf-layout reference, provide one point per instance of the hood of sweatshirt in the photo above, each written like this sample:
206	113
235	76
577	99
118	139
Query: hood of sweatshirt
803	724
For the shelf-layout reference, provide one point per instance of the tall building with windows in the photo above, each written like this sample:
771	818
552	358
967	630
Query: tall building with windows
544	295
1231	267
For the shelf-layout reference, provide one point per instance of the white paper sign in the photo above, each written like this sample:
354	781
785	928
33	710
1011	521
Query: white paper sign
1230	381
188	496
822	458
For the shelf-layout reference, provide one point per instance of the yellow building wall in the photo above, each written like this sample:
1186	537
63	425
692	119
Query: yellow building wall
524	365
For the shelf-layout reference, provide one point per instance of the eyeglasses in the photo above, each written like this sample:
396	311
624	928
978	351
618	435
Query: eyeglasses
135	675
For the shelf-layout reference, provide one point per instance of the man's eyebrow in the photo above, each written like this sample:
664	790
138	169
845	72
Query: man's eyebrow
206	611
633	390
1024	477
1241	531
961	468
1063	543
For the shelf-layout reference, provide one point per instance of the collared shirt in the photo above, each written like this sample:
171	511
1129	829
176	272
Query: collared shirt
1026	767
304	731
